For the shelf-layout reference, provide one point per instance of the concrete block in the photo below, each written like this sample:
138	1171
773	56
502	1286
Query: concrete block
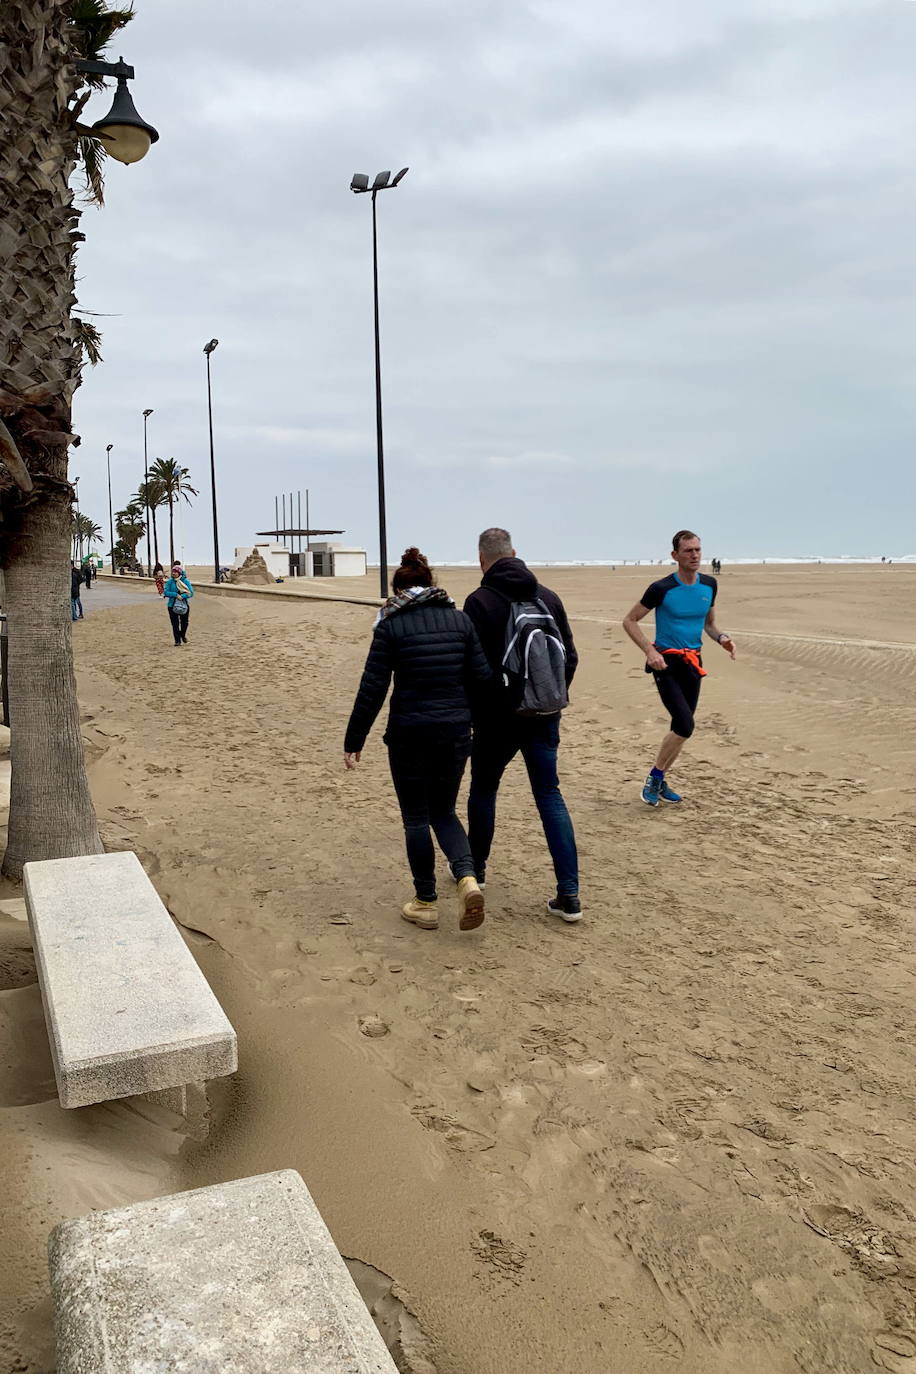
127	1008
239	1277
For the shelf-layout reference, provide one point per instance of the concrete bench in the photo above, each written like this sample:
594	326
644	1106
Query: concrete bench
127	1008
240	1277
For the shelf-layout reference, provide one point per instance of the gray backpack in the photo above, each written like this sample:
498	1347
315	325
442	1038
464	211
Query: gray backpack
534	660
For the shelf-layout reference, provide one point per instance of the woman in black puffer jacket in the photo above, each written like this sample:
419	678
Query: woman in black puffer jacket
433	652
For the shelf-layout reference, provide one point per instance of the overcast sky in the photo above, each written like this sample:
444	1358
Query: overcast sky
652	266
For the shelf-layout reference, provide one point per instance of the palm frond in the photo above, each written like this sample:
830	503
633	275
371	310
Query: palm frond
92	27
91	157
174	479
89	339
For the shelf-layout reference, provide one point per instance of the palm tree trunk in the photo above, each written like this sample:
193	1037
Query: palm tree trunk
171	530
51	811
155	534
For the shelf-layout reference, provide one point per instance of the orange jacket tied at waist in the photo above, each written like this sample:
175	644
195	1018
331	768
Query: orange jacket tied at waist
691	656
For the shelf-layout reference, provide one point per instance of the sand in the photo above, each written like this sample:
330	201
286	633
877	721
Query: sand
681	1136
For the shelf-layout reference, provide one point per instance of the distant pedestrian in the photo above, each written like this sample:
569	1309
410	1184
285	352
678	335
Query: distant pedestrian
87	574
76	582
159	576
178	592
432	651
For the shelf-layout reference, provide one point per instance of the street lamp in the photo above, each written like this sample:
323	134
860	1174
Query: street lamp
149	565
108	449
124	134
208	349
76	503
360	186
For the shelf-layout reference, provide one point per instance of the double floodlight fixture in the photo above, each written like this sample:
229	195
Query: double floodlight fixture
124	134
146	413
208	348
383	181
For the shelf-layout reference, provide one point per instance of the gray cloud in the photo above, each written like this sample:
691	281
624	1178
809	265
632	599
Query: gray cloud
651	266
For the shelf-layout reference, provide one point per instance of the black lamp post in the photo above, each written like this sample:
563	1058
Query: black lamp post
108	449
149	565
360	185
77	541
208	349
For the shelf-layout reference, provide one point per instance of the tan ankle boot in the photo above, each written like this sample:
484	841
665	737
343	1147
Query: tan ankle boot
422	914
471	900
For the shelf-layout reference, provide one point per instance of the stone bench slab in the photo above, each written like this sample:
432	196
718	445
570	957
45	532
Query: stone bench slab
128	1009
241	1277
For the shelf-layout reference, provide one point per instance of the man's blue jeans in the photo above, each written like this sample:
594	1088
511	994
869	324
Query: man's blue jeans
76	608
537	739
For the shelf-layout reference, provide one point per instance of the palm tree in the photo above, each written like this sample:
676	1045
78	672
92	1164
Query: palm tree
130	525
85	531
41	347
92	532
76	538
175	485
152	494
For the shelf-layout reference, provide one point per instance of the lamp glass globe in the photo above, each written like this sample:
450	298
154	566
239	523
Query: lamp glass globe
125	142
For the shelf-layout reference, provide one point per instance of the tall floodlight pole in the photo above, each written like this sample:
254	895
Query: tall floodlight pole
208	349
108	449
76	538
149	564
360	185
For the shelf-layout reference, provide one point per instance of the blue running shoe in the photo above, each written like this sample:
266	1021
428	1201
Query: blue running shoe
652	790
668	794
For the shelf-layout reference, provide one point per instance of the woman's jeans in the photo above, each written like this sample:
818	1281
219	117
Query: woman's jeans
179	625
427	765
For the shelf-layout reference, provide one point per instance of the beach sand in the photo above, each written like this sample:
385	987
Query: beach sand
678	1137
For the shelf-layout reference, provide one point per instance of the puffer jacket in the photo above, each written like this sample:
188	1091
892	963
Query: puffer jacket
171	590
439	671
509	579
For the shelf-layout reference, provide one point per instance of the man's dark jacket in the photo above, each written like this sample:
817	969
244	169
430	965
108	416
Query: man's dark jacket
509	579
76	583
438	667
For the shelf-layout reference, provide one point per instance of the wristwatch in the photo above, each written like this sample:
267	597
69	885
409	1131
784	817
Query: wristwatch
723	635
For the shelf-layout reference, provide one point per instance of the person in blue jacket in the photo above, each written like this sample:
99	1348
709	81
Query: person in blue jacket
178	592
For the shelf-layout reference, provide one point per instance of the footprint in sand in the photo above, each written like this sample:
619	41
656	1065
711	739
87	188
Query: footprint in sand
661	1340
501	1256
896	1351
462	1138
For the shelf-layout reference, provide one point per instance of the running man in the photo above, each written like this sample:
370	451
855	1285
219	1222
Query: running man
684	606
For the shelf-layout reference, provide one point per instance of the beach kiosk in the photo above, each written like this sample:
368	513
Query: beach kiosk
317	559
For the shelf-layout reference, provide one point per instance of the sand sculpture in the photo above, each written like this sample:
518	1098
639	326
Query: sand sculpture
253	571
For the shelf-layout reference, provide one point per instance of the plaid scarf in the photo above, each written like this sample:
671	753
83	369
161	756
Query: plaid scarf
412	596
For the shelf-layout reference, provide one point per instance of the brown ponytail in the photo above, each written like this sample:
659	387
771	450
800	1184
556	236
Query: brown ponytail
413	572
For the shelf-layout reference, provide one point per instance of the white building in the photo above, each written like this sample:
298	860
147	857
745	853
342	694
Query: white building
335	560
322	560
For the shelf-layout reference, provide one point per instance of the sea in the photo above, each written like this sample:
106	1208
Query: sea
809	559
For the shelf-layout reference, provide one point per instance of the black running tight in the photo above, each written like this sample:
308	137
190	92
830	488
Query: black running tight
679	688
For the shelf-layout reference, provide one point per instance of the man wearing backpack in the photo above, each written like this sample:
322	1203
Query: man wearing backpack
526	638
